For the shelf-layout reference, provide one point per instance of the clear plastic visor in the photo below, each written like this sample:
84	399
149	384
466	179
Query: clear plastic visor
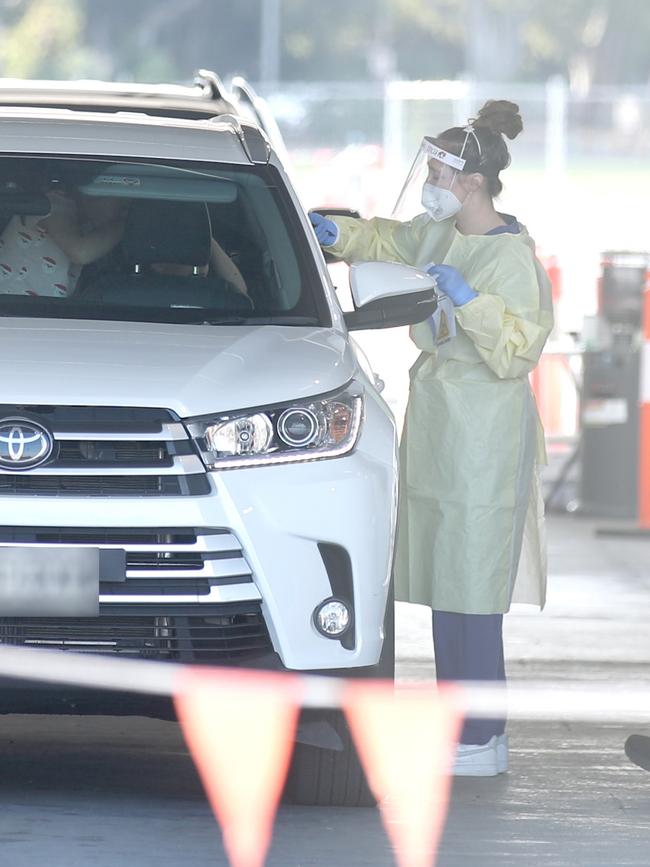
432	165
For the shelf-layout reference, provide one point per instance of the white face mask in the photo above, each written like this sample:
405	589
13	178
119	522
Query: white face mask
439	203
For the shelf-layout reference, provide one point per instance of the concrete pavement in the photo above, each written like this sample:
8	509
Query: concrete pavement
109	791
571	797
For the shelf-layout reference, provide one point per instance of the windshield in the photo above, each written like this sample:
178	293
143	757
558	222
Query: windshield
156	243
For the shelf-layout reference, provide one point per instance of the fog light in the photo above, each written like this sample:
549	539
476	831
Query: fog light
332	618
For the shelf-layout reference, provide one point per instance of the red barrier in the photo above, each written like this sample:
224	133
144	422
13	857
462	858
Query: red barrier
406	741
552	267
240	726
552	381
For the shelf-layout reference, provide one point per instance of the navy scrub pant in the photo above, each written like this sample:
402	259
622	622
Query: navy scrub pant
470	647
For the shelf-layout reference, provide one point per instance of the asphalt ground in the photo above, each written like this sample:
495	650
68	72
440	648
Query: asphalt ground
105	791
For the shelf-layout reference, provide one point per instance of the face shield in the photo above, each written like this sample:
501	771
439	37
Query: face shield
431	184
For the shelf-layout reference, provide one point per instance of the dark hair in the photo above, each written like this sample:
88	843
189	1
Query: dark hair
497	118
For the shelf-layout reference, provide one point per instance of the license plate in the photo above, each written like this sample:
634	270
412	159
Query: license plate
49	582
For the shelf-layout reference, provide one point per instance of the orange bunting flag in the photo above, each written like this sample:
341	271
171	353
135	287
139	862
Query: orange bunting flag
406	741
240	728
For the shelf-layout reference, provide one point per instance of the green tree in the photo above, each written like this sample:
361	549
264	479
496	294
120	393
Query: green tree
44	40
588	41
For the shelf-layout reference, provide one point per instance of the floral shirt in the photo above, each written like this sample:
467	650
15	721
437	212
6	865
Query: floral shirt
31	263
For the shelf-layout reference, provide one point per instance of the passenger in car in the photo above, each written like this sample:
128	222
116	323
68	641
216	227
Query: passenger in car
43	256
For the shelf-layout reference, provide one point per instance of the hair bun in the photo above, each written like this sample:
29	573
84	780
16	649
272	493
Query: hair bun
500	116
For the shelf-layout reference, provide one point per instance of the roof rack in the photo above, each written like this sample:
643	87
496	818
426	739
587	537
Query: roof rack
246	97
205	97
210	82
206	85
254	142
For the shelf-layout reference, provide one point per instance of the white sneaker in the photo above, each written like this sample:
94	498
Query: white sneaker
502	754
476	760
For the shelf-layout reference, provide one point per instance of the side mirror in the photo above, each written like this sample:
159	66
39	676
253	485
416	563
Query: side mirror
388	294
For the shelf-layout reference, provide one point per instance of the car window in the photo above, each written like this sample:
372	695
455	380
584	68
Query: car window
152	242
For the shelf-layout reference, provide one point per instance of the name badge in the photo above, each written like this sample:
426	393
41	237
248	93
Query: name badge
443	321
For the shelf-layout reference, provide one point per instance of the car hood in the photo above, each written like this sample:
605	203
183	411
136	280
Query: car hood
190	369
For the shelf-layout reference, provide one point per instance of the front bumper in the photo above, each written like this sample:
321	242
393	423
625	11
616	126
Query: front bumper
279	515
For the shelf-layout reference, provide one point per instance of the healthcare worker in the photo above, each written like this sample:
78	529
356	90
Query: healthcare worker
470	536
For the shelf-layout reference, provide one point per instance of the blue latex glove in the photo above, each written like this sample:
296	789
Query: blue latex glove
326	230
452	283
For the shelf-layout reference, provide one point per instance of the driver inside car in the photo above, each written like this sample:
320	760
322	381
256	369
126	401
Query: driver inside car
165	221
165	261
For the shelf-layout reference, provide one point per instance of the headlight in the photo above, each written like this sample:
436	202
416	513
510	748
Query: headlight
321	427
299	427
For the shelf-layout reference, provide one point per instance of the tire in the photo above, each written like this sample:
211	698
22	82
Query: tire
334	778
328	778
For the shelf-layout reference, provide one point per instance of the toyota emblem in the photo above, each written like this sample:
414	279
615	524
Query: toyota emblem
24	444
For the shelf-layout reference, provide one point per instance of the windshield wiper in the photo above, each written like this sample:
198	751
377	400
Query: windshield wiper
60	309
262	320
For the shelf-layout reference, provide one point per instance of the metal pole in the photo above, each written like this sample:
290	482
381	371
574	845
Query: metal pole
556	128
270	42
393	133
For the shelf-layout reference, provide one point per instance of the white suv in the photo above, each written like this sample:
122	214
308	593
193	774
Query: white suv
189	471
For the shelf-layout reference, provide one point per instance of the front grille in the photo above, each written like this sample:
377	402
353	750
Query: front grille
148	586
109	452
230	635
33	484
122	454
166	561
160	561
